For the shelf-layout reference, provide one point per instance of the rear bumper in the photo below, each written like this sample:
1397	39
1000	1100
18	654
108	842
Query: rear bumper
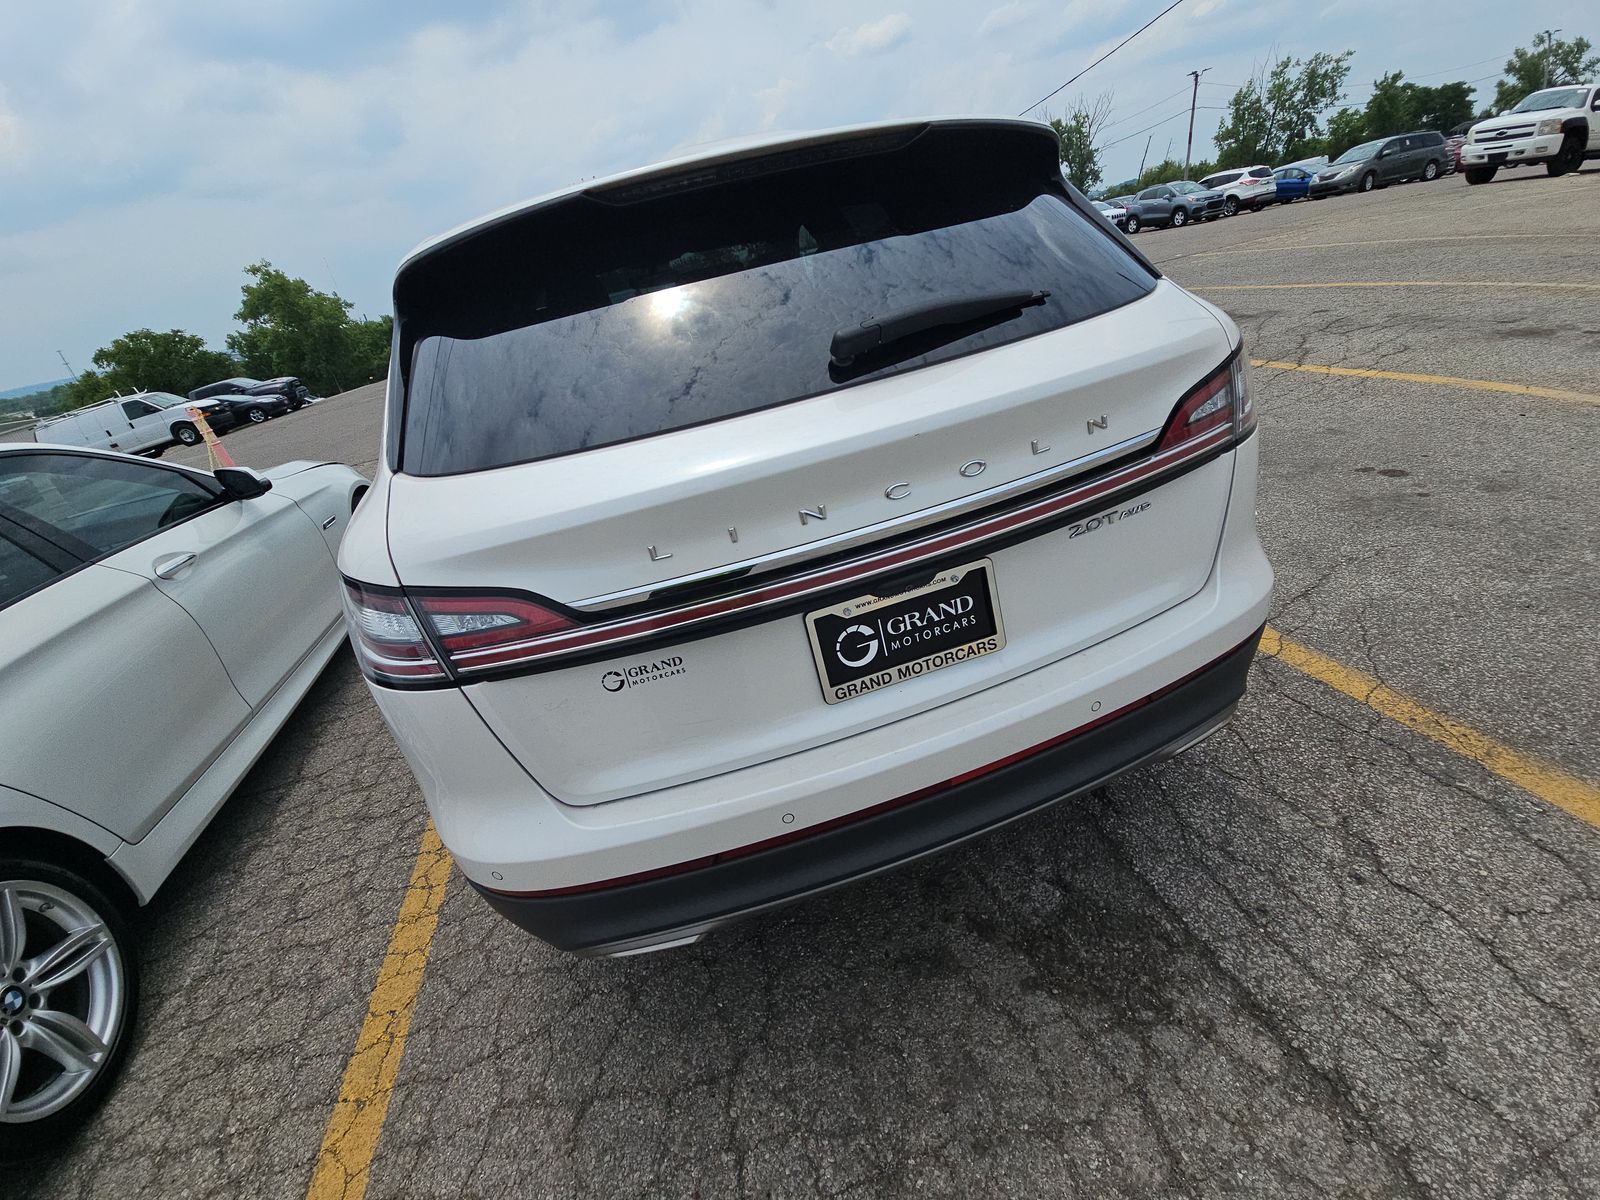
670	908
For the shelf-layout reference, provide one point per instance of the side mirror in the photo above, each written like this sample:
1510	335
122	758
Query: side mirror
241	483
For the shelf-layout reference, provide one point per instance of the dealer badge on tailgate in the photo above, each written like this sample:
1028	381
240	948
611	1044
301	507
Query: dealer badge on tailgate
872	641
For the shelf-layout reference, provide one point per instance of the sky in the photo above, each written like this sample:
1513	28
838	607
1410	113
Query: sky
151	149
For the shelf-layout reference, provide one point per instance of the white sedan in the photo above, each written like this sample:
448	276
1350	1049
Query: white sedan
157	626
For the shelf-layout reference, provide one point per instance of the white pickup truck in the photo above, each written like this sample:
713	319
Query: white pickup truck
1558	126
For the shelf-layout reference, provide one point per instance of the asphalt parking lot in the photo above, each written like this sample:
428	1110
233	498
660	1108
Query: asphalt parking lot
1346	948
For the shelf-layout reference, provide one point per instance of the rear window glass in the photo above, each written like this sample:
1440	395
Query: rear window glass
598	321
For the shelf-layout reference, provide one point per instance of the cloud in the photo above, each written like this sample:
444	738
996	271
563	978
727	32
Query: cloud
330	139
872	38
1005	17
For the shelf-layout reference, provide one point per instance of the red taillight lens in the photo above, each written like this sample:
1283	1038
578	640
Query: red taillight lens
388	642
480	623
1222	402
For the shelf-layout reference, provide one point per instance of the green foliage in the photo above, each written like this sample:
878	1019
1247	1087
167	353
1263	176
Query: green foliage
1396	106
1164	171
1569	61
1346	128
1080	162
173	361
292	329
1075	137
43	403
1399	107
1279	110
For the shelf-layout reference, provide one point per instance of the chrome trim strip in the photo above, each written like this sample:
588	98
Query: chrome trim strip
617	634
843	541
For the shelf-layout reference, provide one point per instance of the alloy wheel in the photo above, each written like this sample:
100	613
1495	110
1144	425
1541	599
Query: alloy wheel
63	991
1180	218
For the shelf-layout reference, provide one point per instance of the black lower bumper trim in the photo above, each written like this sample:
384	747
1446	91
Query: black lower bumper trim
631	913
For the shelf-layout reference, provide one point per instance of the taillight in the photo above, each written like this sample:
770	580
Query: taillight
389	644
474	632
1221	403
481	624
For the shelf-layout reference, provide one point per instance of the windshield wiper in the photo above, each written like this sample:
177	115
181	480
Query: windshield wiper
852	341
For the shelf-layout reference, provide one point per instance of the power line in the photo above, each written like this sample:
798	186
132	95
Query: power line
1142	111
1102	58
1463	66
1182	112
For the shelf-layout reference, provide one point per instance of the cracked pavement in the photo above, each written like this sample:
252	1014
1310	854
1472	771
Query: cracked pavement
1319	954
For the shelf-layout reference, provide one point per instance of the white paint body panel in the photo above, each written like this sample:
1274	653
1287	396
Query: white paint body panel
507	832
579	526
120	726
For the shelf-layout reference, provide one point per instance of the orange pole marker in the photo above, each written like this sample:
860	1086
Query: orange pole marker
216	453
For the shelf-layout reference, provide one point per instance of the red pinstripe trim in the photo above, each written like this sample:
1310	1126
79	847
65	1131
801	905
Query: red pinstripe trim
633	628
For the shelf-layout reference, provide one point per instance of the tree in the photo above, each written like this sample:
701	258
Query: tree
1568	62
1278	111
292	329
1446	106
1346	128
145	360
1075	138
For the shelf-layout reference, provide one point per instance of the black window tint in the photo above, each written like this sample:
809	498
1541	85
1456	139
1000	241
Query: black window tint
20	571
601	323
99	504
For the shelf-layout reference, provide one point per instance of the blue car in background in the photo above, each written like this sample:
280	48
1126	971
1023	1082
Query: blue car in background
1293	183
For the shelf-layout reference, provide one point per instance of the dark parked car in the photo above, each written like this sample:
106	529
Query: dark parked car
1293	183
1421	155
287	386
253	410
1174	204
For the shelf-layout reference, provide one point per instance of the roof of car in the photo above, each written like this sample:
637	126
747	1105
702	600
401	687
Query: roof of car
727	150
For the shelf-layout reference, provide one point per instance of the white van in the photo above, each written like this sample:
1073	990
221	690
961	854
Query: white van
143	423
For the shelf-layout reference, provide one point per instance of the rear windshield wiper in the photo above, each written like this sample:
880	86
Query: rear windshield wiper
852	341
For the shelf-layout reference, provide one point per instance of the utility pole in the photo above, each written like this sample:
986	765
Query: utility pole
1549	36
1193	100
66	364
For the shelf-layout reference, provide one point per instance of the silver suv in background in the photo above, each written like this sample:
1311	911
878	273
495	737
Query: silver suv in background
755	522
1174	204
1251	188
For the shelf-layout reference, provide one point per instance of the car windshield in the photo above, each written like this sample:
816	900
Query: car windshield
1184	187
1359	153
1552	98
164	399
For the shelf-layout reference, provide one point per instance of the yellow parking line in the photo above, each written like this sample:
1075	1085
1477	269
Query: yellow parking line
1453	237
1396	283
1553	786
1476	385
356	1123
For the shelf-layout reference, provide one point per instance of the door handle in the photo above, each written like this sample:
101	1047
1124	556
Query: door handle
168	568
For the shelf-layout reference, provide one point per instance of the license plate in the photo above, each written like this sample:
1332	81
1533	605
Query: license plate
874	641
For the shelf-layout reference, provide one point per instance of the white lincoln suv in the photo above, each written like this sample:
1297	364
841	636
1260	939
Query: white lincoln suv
761	520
